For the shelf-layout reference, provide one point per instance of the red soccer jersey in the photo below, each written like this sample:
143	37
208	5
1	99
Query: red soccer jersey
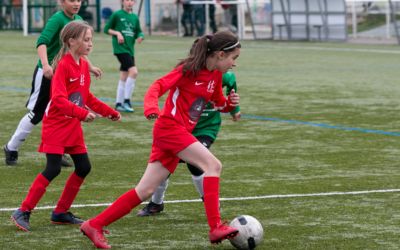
187	97
70	95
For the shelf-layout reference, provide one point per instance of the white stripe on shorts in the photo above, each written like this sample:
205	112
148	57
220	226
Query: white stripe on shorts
36	89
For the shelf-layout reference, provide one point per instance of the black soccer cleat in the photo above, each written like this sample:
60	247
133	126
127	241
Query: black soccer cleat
67	218
151	209
21	219
11	157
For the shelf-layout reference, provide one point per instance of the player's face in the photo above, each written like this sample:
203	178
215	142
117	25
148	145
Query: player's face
128	5
227	60
84	47
71	7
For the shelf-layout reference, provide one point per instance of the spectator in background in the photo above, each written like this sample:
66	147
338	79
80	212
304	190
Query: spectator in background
199	18
17	14
211	15
231	18
187	17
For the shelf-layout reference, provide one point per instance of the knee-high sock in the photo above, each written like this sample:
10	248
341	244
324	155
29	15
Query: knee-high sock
129	87
23	130
158	196
120	91
211	200
198	184
121	207
35	193
69	193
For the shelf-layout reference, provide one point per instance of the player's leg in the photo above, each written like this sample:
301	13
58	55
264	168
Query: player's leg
123	74
155	173
198	155
61	214
37	103
38	188
156	204
130	84
198	173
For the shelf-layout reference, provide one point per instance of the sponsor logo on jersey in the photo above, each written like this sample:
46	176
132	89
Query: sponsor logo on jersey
196	109
73	79
76	98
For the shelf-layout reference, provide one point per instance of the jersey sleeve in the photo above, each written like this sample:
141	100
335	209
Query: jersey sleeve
138	32
110	24
157	89
220	102
50	30
99	107
59	96
229	81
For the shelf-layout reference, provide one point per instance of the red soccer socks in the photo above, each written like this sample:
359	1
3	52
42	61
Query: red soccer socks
36	191
69	193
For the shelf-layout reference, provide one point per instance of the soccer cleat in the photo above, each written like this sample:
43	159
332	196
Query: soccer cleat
11	157
21	219
65	219
128	107
65	161
221	232
151	209
95	235
119	108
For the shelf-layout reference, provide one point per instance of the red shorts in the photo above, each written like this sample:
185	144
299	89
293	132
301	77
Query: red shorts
56	149
169	139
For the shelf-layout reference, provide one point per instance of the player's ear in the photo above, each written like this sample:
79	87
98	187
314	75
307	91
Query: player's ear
221	54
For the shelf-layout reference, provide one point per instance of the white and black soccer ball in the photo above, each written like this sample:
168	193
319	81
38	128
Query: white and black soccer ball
250	234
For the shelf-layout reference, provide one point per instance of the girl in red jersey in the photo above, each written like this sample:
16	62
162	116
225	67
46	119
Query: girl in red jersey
62	131
191	84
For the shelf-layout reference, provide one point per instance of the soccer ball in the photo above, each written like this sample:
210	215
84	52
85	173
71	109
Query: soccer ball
250	232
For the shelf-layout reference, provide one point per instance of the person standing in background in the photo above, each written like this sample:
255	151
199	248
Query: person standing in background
124	27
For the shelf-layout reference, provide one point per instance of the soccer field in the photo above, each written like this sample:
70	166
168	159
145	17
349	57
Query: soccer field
315	156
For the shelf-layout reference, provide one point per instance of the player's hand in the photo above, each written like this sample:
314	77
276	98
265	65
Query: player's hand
120	38
90	117
152	116
236	116
97	72
139	40
234	98
115	117
47	71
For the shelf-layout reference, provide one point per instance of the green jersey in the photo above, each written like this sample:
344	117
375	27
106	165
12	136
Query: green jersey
50	35
129	26
210	120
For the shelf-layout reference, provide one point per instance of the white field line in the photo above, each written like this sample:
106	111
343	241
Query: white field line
273	196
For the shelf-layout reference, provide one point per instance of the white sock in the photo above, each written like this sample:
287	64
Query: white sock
23	130
129	87
158	196
120	91
198	184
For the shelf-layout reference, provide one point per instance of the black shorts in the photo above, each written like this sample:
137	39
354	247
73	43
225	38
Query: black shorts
127	61
205	140
39	97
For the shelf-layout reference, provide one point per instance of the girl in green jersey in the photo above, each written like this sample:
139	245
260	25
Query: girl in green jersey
124	27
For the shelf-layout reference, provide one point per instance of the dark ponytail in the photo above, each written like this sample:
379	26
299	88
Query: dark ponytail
205	46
